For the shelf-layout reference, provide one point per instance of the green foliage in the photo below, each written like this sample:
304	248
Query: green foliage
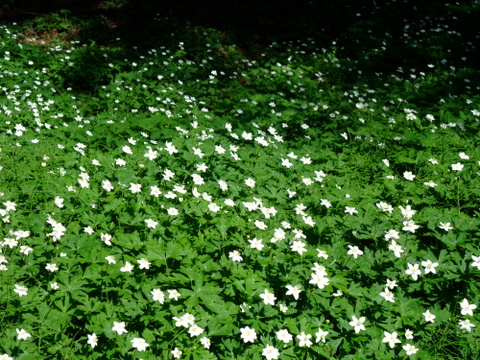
189	201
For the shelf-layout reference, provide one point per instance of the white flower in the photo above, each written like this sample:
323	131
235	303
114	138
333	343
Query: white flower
429	266
357	323
176	353
286	163
214	207
284	335
407	212
308	220
120	162
20	234
155	191
107	185
219	149
429	317
173	294
235	256
51	267
198	179
350	210
59	201
387	295
270	352
476	261
248	334
195	330
445	226
168	175
298	246
408	334
20	290
185	320
430	183
10	242
205	342
463	156
354	251
319	279
294	291
151	223
457	167
307	181
413	271
268	297
198	152
392	234
139	343
158	295
466	324
223	185
410	225
321	335
304	339
143	264
135	188
88	230
299	234
322	254
22	334
385	207
170	148
92	340
110	259
250	182
10	206
172	211
391	338
319	269
260	224
128	267
325	203
467	308
408	175
256	244
119	327
410	349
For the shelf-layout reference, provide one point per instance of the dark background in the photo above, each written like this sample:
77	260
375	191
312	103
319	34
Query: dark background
246	21
251	26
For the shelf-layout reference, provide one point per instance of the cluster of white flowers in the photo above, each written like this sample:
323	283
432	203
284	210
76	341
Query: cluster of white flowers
58	230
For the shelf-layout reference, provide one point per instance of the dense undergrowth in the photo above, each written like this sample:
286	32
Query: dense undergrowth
303	199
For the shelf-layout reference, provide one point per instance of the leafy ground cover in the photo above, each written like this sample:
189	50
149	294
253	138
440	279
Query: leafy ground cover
307	200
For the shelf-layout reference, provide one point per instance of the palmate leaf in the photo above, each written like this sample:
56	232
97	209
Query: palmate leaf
75	286
113	204
165	249
223	328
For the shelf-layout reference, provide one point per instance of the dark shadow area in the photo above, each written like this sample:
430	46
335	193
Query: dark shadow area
252	25
137	23
249	24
